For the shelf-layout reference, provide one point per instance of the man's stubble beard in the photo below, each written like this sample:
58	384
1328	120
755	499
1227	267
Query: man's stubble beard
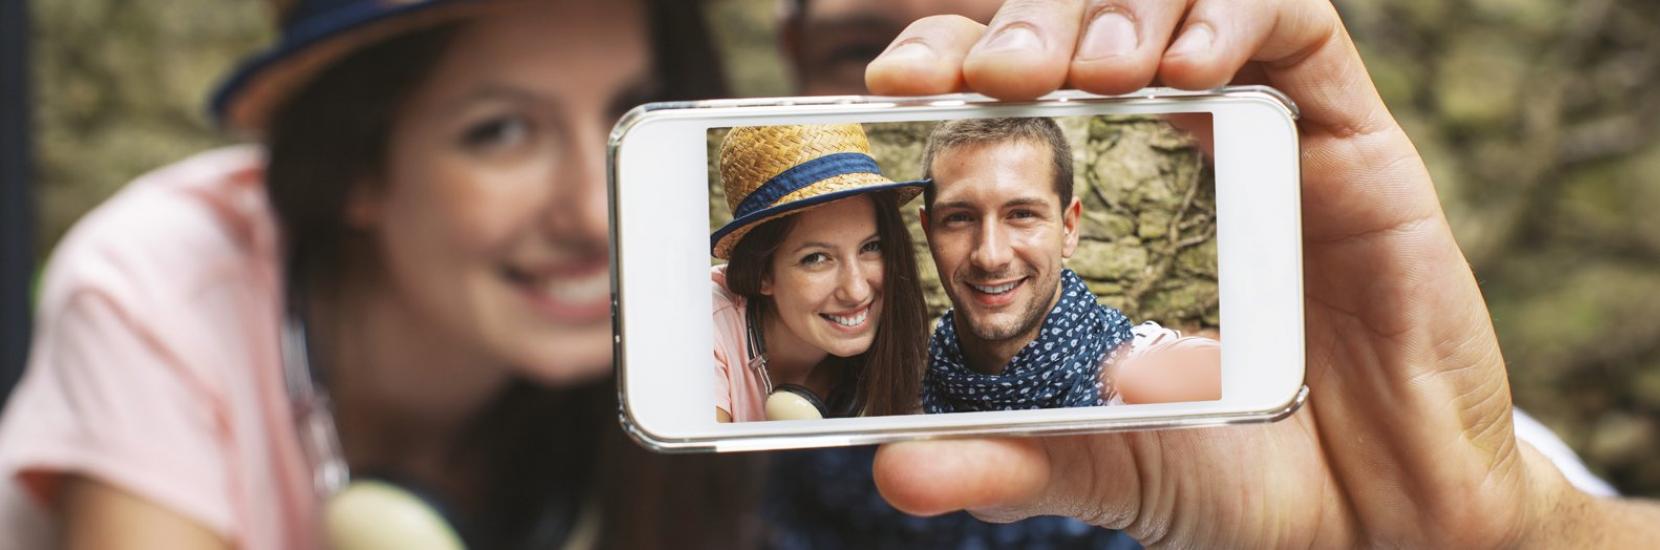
1027	324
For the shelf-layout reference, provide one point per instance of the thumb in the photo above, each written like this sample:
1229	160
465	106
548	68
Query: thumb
1095	478
996	477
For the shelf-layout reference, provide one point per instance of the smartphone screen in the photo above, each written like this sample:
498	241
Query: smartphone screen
798	272
1030	262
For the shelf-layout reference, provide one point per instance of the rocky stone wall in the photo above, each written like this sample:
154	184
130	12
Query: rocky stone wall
122	88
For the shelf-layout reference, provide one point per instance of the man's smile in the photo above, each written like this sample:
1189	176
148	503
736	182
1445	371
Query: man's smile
996	293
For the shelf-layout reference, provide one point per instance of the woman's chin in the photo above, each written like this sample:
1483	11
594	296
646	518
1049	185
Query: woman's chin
566	372
851	348
567	359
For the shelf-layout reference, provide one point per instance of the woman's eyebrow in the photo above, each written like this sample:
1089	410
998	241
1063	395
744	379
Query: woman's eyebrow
813	244
500	92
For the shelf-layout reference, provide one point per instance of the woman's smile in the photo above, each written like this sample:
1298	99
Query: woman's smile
851	322
571	293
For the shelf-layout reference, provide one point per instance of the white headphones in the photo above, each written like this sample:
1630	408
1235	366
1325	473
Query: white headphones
376	513
367	514
785	401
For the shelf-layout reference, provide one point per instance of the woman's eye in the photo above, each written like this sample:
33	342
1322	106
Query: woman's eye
815	259
497	132
872	246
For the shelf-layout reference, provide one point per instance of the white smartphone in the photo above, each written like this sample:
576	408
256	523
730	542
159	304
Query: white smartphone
824	271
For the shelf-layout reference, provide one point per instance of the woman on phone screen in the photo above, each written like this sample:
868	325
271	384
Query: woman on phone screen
819	311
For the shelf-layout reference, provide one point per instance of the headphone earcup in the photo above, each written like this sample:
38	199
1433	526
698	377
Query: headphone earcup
375	515
792	402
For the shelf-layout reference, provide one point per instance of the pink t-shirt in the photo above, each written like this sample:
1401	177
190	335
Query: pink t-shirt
738	388
155	365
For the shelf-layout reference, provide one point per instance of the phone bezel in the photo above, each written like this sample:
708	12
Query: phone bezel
664	245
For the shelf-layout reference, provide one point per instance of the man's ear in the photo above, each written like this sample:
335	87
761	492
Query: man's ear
365	205
922	219
1069	226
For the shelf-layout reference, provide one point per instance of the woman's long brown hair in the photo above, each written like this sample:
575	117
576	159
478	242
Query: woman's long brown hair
887	378
546	455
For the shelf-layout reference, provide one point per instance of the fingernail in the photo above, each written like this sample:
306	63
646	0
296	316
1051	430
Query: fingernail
1013	37
1195	39
911	51
1110	34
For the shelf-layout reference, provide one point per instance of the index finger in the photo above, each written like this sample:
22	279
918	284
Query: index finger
1304	51
926	58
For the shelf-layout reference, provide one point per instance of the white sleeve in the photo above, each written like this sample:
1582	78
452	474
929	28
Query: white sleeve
1149	336
1541	438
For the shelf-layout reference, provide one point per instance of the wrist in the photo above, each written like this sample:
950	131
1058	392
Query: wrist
1558	514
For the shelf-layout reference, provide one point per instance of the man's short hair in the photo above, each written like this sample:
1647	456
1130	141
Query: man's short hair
983	131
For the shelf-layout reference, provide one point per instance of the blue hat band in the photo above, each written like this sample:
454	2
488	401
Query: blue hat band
304	10
803	175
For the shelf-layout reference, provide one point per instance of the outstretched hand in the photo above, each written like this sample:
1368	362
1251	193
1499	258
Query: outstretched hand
1406	439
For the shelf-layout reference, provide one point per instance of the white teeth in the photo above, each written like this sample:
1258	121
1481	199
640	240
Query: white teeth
849	320
999	289
579	291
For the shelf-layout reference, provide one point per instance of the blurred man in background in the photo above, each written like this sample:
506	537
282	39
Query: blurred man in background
827	43
827	498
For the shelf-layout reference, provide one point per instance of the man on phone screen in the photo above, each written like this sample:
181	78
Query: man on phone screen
1024	332
1000	220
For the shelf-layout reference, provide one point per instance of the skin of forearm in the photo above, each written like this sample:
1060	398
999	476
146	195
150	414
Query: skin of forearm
1619	523
1565	517
95	515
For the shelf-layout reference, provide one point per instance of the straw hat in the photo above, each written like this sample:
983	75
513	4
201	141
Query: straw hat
315	34
774	171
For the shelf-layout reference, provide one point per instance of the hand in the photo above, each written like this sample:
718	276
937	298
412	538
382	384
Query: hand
1406	439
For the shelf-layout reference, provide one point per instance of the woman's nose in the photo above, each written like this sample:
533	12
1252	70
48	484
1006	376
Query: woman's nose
579	209
854	285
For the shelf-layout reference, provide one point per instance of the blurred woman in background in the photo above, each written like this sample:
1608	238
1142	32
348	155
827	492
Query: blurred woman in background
425	225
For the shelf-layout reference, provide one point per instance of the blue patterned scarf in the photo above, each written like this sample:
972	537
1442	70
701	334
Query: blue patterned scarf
1061	368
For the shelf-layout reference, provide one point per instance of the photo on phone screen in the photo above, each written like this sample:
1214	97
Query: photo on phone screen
978	264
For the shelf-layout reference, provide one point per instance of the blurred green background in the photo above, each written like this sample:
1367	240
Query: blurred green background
1538	119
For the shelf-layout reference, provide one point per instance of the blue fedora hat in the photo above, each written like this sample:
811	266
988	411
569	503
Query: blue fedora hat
314	34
